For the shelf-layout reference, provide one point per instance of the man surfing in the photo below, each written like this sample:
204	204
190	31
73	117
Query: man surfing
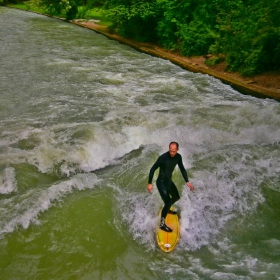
167	162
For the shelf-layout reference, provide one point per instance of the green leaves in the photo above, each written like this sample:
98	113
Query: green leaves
67	8
245	32
249	36
133	19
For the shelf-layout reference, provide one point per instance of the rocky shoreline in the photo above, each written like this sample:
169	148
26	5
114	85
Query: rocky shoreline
266	85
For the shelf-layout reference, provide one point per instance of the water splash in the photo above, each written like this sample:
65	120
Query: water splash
8	183
35	202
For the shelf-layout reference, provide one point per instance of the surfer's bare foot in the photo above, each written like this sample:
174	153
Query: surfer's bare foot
165	228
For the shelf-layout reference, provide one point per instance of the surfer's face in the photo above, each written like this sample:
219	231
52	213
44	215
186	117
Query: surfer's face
173	150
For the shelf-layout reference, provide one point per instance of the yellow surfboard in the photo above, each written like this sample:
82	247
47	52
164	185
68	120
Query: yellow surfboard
167	241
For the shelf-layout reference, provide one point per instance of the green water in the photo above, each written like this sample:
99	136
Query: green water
82	120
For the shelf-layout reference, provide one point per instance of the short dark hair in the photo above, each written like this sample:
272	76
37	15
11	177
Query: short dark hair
173	142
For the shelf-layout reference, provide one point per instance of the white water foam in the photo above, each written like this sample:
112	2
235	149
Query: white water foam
140	213
36	202
235	264
8	183
228	190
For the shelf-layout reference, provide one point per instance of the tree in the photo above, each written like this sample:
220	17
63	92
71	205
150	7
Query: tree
57	7
133	18
246	32
249	35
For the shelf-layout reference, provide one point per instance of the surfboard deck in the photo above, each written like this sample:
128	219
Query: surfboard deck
167	241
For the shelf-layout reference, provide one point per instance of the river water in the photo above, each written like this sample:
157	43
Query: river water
82	120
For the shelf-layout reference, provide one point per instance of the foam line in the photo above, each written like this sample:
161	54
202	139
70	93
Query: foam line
29	210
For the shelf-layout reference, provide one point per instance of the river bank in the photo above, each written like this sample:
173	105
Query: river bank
265	85
82	120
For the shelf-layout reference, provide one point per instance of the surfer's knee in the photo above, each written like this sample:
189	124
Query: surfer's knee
175	198
168	203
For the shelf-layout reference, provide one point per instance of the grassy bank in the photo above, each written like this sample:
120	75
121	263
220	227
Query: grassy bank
27	7
97	14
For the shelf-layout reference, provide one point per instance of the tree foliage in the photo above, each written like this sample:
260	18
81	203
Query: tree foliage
58	7
246	32
133	18
249	35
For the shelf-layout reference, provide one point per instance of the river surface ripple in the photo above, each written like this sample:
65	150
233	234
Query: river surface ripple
82	120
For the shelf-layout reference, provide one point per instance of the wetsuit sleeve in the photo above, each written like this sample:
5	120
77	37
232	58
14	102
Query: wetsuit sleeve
183	170
153	169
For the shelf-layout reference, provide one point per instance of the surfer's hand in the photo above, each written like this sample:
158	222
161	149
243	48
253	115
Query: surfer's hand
190	186
150	187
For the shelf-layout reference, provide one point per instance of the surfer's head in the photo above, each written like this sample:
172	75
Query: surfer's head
173	148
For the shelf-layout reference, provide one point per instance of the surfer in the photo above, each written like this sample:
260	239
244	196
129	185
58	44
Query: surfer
167	162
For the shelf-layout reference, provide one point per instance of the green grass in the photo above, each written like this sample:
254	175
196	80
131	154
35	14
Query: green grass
21	6
213	61
95	13
27	7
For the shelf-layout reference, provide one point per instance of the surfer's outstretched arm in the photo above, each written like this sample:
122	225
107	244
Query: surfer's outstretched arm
185	175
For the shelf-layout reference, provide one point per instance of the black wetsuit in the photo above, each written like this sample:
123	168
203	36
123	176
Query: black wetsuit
165	185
